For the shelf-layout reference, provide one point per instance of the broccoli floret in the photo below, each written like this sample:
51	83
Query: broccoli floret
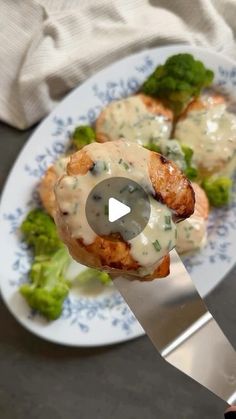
179	80
218	190
188	154
91	274
49	287
82	136
40	232
190	171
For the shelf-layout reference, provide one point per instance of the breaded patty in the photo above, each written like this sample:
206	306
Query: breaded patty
170	188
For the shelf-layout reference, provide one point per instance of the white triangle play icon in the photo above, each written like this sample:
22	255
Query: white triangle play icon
117	210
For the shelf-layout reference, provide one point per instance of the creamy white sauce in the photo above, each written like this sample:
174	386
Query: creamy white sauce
191	234
130	118
120	159
156	240
60	165
211	133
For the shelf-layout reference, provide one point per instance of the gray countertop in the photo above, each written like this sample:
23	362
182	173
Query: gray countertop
39	380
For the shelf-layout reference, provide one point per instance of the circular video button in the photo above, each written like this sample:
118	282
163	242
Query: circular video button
118	205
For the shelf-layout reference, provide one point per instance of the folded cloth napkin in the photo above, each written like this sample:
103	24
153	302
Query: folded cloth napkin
47	47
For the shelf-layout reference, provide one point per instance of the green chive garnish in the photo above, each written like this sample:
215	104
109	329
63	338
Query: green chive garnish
132	189
125	188
168	222
157	245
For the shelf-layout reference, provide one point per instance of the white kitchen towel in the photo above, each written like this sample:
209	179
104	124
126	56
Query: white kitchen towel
47	47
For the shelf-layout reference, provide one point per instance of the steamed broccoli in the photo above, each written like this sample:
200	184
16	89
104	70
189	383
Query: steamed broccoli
40	232
83	135
190	171
91	273
179	80
218	190
48	288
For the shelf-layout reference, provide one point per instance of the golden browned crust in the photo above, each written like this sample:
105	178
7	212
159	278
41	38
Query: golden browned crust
154	106
171	187
46	190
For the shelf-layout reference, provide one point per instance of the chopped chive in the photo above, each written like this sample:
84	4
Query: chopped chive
96	197
176	233
157	245
105	167
106	210
124	164
168	222
129	188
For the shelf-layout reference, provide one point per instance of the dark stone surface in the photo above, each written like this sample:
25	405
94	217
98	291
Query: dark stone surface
39	380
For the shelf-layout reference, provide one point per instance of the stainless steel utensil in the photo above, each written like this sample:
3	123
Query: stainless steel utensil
181	328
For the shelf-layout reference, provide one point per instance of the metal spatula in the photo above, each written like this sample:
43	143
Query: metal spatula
181	328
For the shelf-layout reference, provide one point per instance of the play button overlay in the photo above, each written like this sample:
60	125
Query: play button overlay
118	207
116	210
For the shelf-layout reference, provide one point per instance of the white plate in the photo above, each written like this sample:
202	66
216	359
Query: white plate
104	318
